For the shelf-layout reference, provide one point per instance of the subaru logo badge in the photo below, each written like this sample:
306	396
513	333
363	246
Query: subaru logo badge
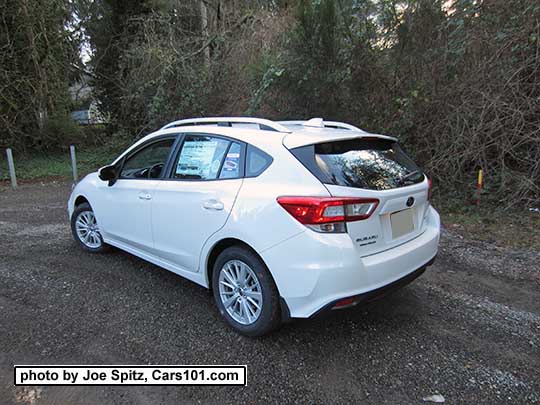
410	201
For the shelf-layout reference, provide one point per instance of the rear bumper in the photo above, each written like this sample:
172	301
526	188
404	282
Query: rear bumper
313	271
375	294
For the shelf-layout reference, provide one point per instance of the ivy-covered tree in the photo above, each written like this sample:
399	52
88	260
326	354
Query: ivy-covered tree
112	28
37	55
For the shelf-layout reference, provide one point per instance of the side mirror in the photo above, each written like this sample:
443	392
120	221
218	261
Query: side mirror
108	173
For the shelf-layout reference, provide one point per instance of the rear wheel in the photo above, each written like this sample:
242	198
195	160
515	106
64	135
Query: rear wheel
85	229
245	292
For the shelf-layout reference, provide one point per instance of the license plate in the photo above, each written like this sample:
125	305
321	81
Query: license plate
402	223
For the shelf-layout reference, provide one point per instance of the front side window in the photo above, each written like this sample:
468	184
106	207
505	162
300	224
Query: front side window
207	158
149	162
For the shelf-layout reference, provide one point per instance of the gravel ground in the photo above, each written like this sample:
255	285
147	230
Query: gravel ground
468	329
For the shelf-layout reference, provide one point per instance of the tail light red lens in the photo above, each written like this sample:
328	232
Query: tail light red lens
430	185
325	210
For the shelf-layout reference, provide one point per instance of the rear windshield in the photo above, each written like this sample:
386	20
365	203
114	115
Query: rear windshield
374	164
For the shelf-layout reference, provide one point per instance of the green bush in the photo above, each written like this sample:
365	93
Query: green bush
59	131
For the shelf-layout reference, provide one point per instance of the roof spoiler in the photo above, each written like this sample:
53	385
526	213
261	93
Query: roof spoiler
320	123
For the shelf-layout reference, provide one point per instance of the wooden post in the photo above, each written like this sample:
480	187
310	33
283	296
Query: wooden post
11	166
479	186
73	162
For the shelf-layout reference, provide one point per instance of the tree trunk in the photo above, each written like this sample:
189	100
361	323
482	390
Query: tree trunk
204	26
40	90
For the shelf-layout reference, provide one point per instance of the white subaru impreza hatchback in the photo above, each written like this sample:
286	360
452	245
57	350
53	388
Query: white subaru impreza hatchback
280	219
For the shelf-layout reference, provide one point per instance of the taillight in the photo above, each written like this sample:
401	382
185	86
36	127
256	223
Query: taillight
328	214
429	183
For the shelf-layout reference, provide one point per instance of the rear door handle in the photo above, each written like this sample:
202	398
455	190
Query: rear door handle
213	205
145	196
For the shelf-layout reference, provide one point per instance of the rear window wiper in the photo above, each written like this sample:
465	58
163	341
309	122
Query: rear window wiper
408	176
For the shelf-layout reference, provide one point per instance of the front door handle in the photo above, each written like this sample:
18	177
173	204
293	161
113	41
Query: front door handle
213	205
145	196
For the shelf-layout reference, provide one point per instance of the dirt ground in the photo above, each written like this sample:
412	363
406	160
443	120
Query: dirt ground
468	329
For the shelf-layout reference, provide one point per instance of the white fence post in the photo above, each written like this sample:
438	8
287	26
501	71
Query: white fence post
73	162
11	168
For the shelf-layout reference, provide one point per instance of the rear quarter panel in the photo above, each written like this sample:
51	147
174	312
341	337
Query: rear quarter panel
256	218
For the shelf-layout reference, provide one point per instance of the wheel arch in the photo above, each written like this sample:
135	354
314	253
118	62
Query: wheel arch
225	243
216	250
75	200
81	199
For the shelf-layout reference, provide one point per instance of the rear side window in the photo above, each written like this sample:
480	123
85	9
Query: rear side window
373	164
230	169
200	158
257	161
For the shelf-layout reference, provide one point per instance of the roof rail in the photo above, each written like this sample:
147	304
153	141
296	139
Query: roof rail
264	125
318	122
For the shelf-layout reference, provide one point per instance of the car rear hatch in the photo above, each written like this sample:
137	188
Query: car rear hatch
372	167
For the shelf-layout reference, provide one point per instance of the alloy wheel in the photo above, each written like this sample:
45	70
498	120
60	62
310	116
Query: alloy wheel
240	292
87	230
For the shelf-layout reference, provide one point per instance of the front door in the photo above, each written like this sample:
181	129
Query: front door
124	214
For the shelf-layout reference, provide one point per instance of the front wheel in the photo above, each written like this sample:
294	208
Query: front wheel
85	229
245	292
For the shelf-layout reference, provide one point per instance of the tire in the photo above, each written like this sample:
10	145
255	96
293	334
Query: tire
94	243
264	320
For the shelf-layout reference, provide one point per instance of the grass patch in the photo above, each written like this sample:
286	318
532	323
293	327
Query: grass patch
43	165
516	228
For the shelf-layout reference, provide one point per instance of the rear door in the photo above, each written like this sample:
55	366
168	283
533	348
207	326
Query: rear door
373	168
196	199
